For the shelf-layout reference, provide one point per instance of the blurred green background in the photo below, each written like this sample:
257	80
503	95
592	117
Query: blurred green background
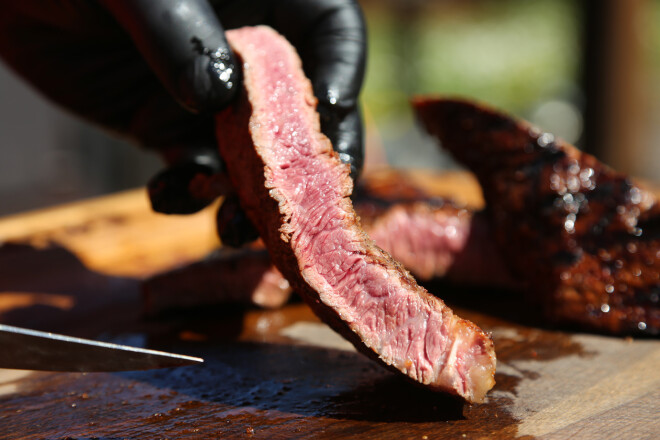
517	55
513	54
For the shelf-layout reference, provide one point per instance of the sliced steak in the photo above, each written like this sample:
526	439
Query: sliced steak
440	241
296	191
243	276
584	238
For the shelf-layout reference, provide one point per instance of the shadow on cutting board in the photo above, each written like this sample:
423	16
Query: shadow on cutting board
303	380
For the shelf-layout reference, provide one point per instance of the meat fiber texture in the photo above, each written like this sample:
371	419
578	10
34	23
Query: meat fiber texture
586	238
296	191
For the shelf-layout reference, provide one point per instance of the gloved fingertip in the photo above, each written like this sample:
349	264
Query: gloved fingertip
234	227
170	190
345	131
356	168
210	80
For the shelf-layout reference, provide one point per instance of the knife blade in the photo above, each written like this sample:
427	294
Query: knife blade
26	349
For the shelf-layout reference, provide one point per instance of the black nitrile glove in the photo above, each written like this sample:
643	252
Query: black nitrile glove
157	71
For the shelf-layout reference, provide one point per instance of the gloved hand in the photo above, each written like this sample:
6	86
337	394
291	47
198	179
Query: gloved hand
156	71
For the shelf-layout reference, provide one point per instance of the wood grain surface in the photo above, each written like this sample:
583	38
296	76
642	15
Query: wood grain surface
280	374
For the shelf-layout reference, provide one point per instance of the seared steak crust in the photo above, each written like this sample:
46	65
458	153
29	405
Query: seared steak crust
583	237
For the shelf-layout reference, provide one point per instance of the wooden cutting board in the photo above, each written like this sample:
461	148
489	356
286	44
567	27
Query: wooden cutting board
77	269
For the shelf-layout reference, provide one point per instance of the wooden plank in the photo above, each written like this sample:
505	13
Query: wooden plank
117	234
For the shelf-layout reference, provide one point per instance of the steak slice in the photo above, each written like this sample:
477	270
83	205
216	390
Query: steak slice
225	276
296	191
436	239
431	236
584	238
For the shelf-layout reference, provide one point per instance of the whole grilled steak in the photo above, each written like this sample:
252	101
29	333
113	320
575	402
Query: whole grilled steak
584	238
296	191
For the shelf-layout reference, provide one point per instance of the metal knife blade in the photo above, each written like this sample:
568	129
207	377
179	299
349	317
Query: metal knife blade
26	349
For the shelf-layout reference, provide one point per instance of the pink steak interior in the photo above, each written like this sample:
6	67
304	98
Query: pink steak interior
406	327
